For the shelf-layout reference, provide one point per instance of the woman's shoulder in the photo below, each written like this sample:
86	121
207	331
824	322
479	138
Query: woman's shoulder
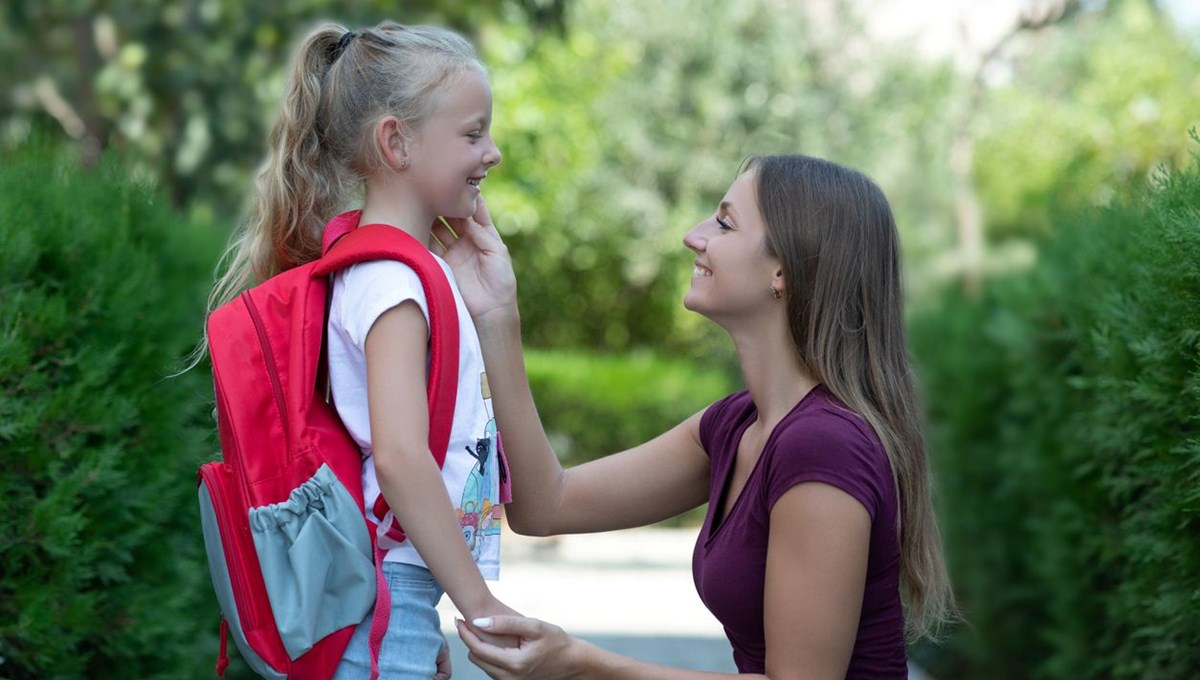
827	442
822	417
730	408
824	432
723	416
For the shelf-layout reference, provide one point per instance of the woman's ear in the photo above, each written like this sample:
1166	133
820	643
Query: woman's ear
391	136
777	282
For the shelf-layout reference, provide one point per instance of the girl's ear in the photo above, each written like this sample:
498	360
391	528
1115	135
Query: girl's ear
391	136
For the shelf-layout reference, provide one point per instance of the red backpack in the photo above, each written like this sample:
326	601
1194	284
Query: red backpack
293	559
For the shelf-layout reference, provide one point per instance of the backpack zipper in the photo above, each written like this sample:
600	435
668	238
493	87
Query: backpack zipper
228	528
272	373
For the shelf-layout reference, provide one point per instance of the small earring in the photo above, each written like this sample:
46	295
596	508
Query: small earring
403	163
776	293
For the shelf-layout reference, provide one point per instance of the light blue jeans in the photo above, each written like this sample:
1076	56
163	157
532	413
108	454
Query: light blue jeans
413	640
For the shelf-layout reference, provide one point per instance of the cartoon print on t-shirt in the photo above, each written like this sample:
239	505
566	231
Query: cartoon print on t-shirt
478	513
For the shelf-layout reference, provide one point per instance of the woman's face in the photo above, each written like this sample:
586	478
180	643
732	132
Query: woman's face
732	274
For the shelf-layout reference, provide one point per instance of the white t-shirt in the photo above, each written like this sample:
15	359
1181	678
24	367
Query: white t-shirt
361	293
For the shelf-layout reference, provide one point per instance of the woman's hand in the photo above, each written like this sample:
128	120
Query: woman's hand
479	259
544	651
495	608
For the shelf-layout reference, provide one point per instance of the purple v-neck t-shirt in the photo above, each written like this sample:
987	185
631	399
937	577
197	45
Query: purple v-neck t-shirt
820	440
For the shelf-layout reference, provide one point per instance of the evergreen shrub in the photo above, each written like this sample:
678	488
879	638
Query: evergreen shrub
1064	406
101	295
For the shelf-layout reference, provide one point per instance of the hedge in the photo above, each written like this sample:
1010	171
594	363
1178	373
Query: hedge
101	294
1065	404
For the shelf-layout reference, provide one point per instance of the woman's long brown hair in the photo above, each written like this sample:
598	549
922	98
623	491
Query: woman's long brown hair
833	231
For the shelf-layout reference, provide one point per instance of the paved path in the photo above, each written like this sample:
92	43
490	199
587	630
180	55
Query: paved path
629	591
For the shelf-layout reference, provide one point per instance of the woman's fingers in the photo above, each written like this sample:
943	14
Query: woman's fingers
519	626
482	217
444	235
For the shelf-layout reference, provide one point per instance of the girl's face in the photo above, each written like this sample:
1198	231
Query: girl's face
453	150
732	274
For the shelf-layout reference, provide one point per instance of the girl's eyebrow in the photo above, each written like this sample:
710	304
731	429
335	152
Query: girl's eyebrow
728	207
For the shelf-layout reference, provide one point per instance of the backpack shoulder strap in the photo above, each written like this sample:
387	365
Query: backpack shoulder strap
382	242
344	245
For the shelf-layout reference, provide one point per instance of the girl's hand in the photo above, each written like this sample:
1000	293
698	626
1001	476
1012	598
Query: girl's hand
444	671
480	261
544	651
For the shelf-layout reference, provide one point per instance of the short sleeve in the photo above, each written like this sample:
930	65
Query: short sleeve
828	448
369	289
715	416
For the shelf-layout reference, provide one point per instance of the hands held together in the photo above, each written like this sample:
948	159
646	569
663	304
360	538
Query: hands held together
543	651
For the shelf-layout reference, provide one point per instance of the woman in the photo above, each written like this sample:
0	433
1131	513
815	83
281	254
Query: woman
820	549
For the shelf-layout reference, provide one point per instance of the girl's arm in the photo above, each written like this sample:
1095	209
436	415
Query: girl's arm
408	475
816	574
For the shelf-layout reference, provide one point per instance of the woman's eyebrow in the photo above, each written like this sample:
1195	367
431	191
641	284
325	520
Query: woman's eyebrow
728	207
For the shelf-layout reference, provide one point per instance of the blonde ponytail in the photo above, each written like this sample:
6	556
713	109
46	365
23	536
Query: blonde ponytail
298	188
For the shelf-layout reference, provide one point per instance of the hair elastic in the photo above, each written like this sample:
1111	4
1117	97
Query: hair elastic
341	46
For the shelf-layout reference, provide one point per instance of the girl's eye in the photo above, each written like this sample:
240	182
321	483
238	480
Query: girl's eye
475	135
724	224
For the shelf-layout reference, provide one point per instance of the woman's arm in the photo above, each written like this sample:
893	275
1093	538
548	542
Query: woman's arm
648	483
816	575
408	475
817	551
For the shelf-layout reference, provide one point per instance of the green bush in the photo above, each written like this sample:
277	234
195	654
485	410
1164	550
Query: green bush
593	405
1064	404
101	293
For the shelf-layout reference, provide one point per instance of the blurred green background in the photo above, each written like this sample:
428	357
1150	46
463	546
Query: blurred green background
1037	155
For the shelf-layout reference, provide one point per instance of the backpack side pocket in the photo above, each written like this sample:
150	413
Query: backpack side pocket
316	561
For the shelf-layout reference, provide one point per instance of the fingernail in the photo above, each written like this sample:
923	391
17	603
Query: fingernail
482	623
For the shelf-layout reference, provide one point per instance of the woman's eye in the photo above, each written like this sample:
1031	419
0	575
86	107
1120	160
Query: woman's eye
724	224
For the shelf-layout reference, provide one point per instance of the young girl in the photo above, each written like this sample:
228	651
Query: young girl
820	549
401	114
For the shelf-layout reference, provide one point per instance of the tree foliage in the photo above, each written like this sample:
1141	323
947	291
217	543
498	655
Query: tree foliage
1091	108
623	133
186	87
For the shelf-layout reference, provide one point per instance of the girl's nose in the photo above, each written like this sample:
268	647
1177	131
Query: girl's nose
493	156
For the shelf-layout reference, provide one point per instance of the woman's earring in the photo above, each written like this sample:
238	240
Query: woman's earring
776	293
403	163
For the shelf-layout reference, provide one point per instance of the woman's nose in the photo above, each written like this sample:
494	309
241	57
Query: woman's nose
694	240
